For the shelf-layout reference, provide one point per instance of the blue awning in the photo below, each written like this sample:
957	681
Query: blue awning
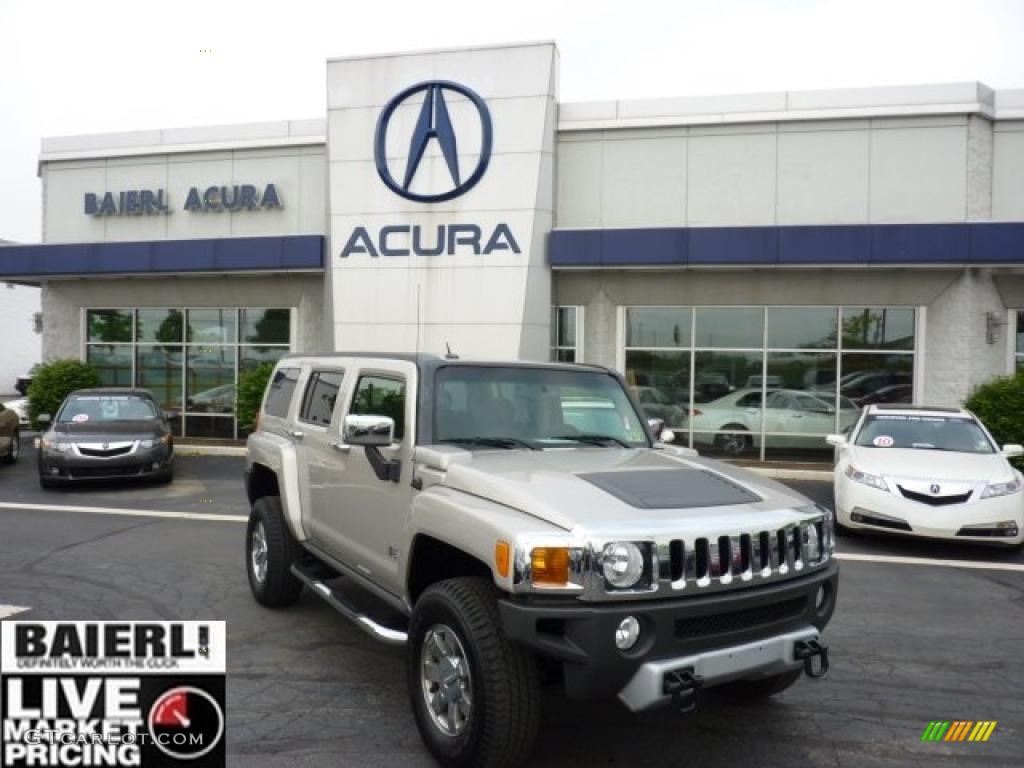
845	245
217	255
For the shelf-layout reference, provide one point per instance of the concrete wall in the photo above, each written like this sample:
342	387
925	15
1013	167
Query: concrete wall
880	170
20	344
63	302
495	305
297	169
957	355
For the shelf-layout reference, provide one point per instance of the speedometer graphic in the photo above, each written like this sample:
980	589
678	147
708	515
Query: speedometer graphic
186	723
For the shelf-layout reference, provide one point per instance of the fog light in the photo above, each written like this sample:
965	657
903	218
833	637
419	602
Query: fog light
156	465
54	471
627	634
819	598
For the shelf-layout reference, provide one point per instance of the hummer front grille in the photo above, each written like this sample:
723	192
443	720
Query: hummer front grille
710	562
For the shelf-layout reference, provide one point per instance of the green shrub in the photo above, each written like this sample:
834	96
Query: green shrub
54	381
251	386
1000	406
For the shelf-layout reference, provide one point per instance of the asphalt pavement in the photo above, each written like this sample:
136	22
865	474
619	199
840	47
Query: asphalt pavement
910	643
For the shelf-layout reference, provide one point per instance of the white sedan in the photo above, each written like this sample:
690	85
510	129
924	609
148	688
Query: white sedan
933	472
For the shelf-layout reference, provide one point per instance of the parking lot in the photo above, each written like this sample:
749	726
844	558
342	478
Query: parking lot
923	632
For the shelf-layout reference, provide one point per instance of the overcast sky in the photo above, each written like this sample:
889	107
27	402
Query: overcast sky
70	67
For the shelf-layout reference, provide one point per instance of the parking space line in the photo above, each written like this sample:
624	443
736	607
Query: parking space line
6	611
210	517
894	559
14	506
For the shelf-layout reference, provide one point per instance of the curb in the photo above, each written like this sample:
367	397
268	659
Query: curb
190	449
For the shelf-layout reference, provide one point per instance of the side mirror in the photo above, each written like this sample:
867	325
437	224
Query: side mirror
837	440
1013	450
657	426
368	431
43	418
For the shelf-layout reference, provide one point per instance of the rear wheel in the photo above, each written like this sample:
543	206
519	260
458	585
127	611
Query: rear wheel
15	449
270	551
734	444
762	688
474	694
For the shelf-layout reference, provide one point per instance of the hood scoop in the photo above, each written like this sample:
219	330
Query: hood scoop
670	488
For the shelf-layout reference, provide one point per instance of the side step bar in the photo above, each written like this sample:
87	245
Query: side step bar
377	631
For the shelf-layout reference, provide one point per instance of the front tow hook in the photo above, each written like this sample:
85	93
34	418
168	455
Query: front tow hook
807	650
682	685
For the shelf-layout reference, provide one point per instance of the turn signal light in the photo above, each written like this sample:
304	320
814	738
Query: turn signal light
550	566
501	558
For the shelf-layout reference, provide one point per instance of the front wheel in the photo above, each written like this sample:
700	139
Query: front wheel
270	551
475	695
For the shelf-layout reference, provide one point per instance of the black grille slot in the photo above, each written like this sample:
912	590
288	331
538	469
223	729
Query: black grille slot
745	552
675	553
766	549
934	501
738	621
780	545
702	558
129	471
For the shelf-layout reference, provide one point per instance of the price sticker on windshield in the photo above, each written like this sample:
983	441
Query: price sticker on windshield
883	441
78	418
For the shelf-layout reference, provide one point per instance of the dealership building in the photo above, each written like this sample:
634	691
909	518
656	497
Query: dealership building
758	266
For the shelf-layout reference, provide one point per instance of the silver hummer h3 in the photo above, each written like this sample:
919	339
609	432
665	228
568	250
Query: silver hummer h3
510	522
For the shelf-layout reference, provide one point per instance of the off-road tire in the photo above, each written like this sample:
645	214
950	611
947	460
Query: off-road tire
279	587
14	451
505	686
763	688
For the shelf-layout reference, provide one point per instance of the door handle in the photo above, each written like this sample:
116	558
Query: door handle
296	434
341	447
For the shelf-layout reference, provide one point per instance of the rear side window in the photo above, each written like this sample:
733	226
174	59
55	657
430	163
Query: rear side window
381	396
279	393
321	395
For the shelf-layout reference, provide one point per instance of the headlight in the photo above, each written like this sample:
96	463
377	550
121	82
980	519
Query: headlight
992	490
56	446
622	563
865	478
145	443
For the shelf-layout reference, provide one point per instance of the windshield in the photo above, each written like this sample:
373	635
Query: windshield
105	408
935	433
533	408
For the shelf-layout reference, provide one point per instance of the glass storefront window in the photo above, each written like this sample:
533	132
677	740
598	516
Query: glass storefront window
113	361
564	333
210	380
265	326
111	325
660	382
159	326
660	327
878	328
801	327
159	369
730	327
211	326
250	357
221	427
877	378
768	379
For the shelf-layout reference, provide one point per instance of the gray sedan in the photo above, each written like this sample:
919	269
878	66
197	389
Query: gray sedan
102	434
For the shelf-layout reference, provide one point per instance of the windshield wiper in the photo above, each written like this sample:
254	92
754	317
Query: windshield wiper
493	442
594	439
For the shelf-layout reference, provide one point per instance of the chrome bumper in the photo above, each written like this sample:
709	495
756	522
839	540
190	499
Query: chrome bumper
770	656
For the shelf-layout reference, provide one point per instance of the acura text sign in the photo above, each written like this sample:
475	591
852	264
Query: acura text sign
149	202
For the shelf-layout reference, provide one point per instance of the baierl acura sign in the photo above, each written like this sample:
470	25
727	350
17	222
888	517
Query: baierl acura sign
434	124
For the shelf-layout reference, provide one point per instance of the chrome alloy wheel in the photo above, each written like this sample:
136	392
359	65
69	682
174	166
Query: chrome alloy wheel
15	446
258	555
446	681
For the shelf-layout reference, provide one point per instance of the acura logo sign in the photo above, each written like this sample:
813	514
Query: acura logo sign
434	124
